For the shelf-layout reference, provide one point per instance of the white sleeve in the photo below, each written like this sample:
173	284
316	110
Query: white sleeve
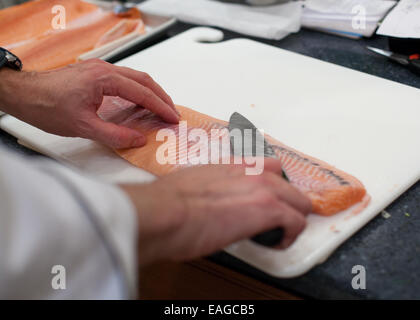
53	216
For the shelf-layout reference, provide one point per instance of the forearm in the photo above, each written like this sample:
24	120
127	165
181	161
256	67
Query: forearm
13	88
33	98
8	88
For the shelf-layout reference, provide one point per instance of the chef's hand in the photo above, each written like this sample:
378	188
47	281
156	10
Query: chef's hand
64	101
199	210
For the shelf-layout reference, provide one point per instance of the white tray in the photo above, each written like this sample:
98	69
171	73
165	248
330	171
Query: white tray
154	25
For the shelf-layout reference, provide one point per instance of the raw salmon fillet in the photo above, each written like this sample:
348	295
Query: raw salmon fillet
329	189
33	18
40	47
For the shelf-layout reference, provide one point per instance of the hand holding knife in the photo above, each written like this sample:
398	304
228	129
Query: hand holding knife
241	124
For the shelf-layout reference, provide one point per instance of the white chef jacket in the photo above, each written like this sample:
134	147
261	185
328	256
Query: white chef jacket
51	216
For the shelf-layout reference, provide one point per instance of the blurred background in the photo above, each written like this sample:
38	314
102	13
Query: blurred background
7	3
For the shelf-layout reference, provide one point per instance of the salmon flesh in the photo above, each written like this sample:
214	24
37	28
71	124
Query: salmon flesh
28	31
330	190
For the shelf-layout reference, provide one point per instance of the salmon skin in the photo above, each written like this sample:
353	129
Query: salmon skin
330	190
29	33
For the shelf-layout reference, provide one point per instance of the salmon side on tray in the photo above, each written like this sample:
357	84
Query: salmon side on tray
28	31
330	189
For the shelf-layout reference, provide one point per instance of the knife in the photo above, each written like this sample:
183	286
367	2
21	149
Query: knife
412	62
239	124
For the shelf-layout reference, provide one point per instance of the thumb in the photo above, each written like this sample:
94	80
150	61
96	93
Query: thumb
115	136
273	165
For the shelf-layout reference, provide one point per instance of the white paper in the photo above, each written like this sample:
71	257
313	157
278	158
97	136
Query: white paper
345	7
340	15
403	21
270	22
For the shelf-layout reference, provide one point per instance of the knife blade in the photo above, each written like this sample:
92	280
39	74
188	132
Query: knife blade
411	61
239	125
242	124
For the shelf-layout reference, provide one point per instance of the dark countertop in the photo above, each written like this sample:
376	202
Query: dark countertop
389	249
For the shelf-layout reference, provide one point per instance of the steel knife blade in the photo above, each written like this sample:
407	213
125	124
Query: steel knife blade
241	126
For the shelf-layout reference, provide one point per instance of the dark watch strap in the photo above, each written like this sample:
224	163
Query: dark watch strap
3	59
8	59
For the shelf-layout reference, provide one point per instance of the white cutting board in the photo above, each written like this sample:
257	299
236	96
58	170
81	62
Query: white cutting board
364	125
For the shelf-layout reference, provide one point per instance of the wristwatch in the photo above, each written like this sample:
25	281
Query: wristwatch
9	60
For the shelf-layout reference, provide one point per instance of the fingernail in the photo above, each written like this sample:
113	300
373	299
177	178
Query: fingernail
140	141
176	114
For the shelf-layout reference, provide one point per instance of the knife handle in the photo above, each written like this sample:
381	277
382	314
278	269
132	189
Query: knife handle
414	65
269	238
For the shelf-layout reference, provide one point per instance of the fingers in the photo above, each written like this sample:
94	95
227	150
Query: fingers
286	192
278	214
115	136
264	163
140	77
292	222
272	176
118	85
273	165
253	215
147	81
265	202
